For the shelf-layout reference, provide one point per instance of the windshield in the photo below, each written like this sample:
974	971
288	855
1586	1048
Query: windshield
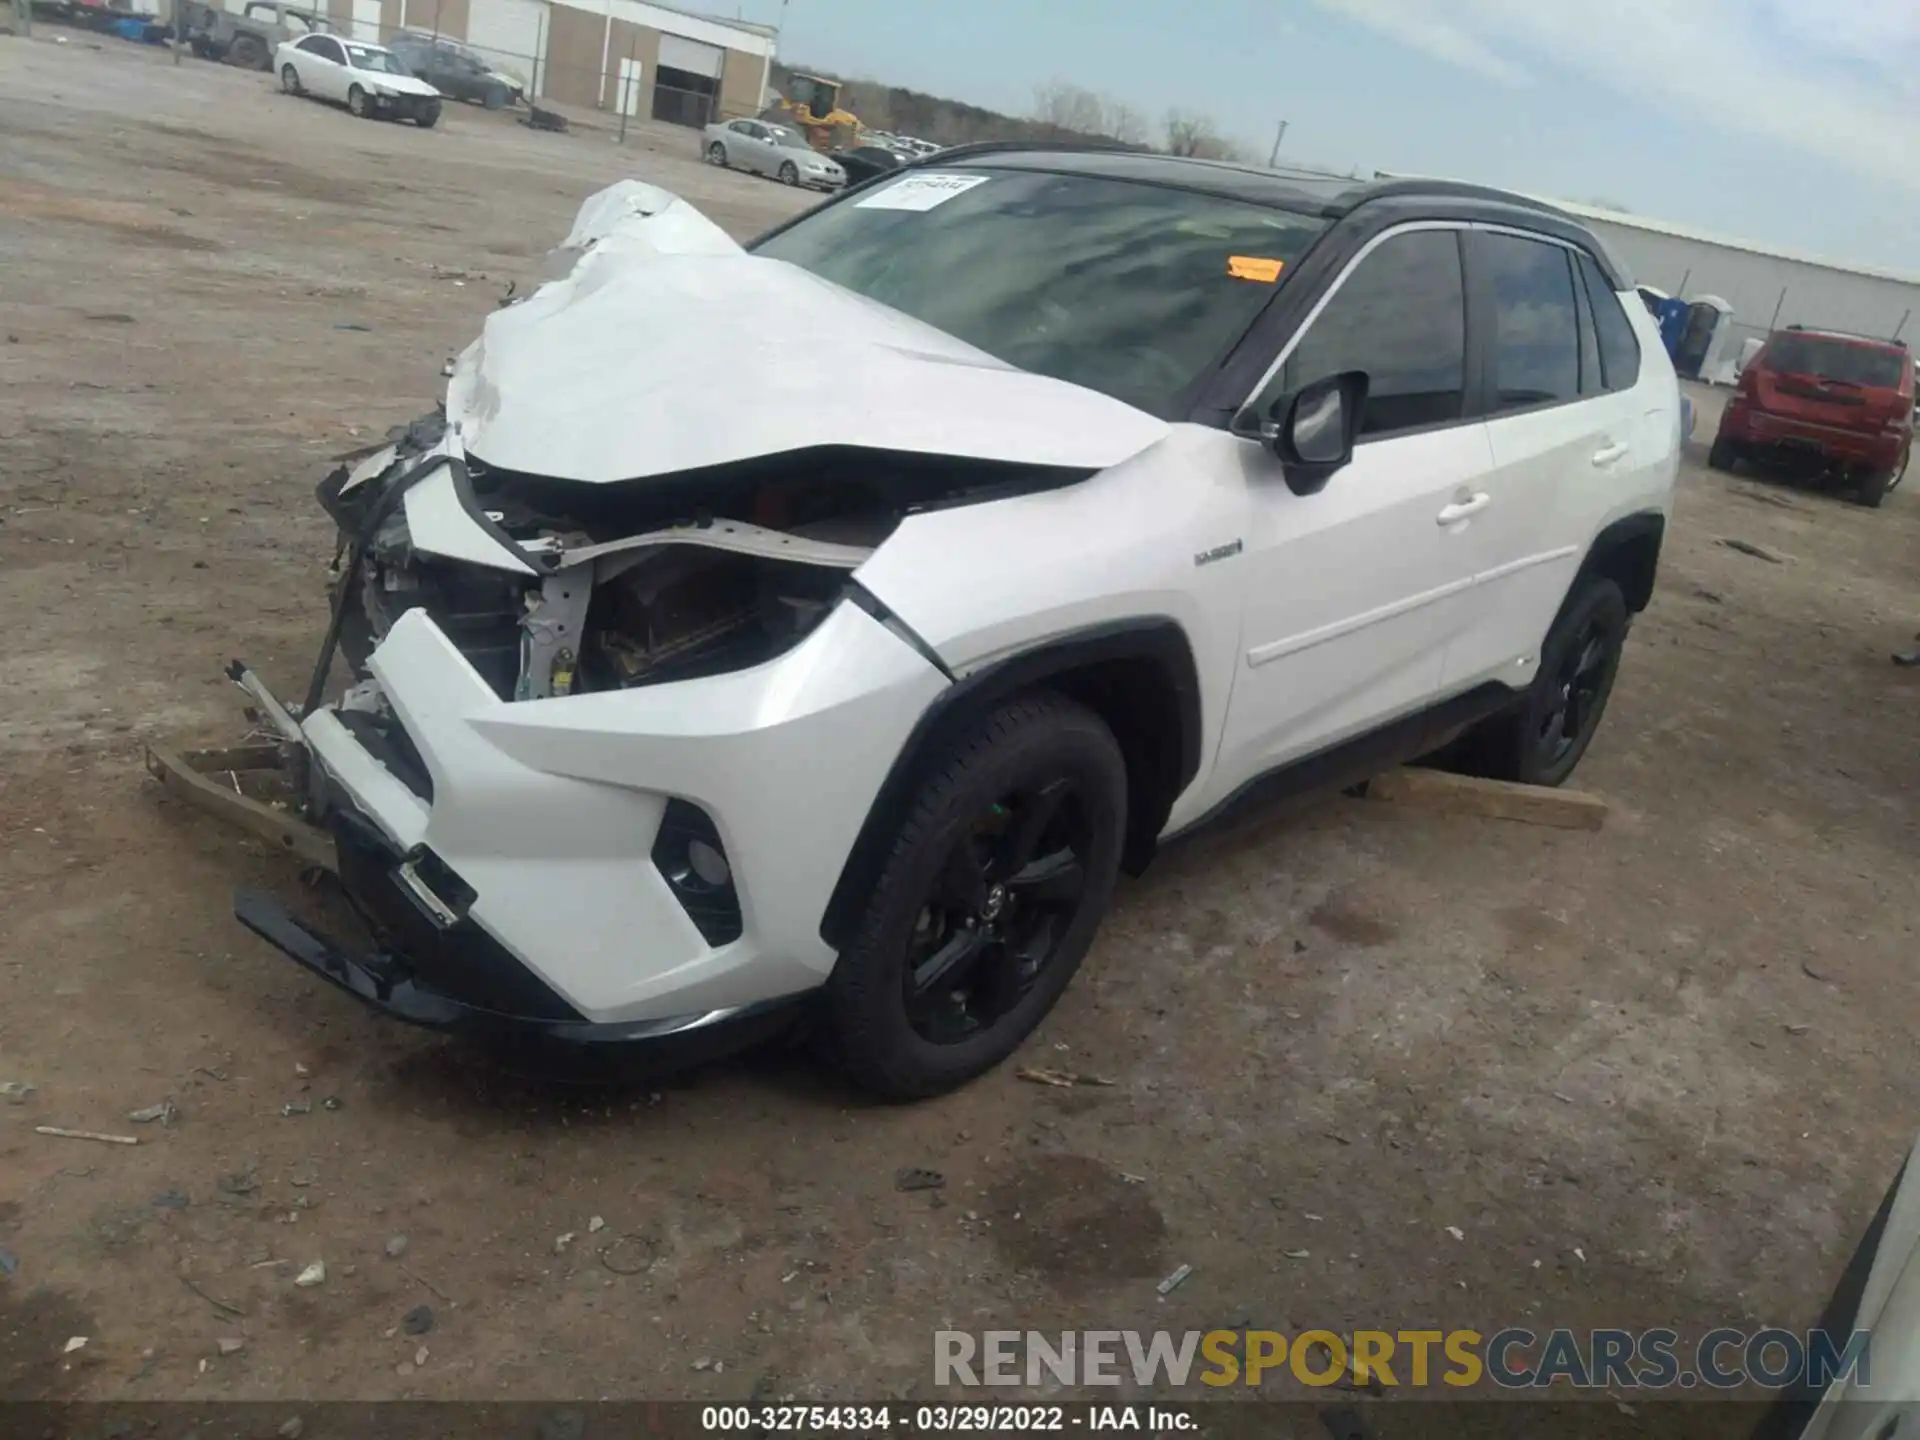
362	57
1133	290
1867	365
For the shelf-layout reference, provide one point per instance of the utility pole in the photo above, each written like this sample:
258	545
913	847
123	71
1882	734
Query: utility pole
1273	160
23	19
626	88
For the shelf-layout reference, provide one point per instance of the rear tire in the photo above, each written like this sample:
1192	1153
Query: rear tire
717	154
986	906
248	53
1578	665
1723	455
1876	485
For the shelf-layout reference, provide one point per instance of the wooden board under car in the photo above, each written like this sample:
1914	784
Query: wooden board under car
1447	793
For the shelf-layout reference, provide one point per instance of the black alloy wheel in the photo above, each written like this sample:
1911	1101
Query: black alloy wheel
1575	693
995	882
999	909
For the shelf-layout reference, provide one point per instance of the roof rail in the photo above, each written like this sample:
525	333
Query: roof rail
1895	341
1092	145
1456	189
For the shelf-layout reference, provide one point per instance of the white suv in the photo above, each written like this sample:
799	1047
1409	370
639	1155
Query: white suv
817	628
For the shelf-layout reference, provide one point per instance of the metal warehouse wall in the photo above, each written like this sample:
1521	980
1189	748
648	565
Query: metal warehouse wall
1814	295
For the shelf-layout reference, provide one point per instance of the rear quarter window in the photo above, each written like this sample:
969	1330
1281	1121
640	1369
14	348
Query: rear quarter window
1619	347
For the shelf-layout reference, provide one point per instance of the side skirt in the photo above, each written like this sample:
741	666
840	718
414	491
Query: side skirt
1360	758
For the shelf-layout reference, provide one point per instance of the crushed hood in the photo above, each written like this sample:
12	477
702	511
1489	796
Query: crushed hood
665	347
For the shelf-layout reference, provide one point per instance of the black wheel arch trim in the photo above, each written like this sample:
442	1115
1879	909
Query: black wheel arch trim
1158	641
1643	531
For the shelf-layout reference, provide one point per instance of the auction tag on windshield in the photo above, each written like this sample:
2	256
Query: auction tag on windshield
920	192
1251	267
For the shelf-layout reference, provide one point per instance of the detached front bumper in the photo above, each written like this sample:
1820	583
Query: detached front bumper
523	882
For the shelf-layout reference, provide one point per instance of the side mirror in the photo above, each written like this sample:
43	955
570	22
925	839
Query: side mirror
1315	437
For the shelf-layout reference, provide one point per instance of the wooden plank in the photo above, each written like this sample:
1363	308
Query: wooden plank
279	829
1496	799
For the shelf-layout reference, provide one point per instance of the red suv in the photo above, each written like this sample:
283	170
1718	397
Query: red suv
1821	402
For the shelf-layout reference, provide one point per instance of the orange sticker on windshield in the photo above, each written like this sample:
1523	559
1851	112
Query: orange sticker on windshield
1251	267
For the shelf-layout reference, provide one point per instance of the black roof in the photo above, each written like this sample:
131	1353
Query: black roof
1305	190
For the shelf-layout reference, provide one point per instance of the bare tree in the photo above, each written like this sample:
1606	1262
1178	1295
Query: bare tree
1069	107
1124	123
1189	133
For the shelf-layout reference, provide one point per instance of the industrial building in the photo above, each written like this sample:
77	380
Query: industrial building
1764	286
628	57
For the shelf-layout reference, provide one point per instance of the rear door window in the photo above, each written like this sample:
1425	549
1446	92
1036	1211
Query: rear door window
1619	348
1401	318
1536	339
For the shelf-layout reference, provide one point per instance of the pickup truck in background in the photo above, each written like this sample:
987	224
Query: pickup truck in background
246	37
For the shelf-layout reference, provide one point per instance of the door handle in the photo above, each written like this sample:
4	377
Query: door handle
1461	509
1610	454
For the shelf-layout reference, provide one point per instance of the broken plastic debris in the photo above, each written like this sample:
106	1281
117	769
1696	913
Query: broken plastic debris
165	1112
314	1274
1295	1254
1174	1281
561	1242
78	1342
228	1345
913	1178
15	1092
1456	1232
596	1225
396	1246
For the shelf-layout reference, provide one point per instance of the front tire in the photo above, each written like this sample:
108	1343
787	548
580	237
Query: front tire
248	53
357	102
986	906
428	118
1541	741
789	173
289	79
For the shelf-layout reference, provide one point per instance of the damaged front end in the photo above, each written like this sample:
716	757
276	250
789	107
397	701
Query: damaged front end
616	705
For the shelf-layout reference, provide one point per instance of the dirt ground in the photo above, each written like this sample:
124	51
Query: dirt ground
1658	1075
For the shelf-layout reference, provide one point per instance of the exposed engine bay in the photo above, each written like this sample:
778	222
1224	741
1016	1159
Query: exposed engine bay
630	586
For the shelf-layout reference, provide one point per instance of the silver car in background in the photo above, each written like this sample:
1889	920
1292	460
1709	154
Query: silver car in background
768	149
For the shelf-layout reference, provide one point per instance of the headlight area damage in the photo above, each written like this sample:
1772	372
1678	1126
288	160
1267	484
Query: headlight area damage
615	704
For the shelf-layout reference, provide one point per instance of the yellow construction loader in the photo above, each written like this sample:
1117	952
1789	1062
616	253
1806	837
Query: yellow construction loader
812	104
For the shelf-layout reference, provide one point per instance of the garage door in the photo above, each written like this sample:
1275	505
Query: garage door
691	56
511	34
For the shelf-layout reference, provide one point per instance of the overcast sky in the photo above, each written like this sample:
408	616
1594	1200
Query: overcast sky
1795	122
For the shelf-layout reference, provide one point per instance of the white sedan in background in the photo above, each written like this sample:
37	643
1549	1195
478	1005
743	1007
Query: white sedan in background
368	79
